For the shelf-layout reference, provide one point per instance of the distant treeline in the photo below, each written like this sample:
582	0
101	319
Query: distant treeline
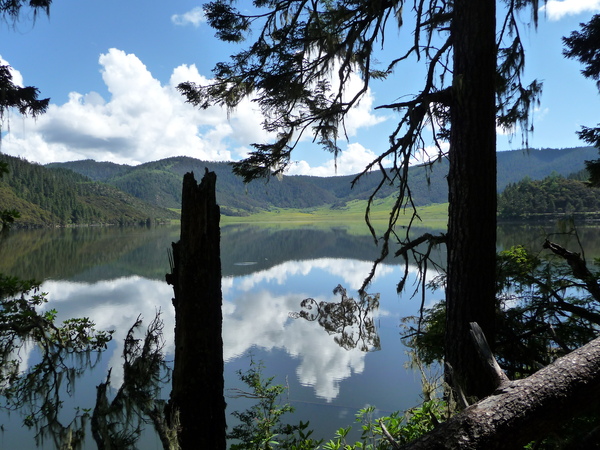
58	196
554	194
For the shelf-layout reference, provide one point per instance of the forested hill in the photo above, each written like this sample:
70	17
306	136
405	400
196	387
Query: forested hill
554	194
57	196
159	182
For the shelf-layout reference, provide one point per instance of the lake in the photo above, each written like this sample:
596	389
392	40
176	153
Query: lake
114	275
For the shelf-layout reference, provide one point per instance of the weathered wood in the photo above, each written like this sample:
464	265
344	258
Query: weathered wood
524	410
486	355
197	394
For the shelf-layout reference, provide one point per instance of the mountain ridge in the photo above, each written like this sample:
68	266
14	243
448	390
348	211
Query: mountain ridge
88	192
159	182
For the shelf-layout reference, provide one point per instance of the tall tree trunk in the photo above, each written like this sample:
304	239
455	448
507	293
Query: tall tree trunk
197	394
470	288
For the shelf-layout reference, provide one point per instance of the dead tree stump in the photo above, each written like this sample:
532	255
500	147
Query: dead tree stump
197	395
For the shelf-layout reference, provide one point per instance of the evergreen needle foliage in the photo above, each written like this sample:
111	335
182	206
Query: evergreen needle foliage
584	45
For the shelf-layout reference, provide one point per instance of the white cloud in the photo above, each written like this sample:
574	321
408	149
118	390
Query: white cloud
557	9
256	318
17	78
254	315
350	272
115	305
350	161
261	319
145	120
361	115
142	121
428	154
193	17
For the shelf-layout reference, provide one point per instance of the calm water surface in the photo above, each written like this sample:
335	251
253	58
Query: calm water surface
113	275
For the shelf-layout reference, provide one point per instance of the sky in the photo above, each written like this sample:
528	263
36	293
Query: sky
111	69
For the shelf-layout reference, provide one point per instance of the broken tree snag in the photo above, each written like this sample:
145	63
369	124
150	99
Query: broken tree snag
524	410
197	394
486	355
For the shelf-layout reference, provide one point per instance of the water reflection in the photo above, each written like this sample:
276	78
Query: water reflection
256	315
349	321
41	359
260	320
115	305
114	275
99	253
565	233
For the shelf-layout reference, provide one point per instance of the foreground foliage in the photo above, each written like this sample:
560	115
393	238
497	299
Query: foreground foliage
584	46
543	311
548	305
262	427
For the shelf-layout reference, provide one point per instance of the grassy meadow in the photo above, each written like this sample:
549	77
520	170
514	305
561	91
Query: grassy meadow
351	216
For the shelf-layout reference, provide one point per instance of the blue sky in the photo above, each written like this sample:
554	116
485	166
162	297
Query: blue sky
111	67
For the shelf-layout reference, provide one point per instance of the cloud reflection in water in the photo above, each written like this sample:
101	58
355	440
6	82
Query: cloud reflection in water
256	312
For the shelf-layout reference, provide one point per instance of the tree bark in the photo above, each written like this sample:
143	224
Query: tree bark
197	395
470	291
524	410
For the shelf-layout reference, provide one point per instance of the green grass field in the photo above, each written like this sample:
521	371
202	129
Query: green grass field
352	216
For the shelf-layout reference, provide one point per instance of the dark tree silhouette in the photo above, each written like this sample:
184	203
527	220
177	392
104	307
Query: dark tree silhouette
349	321
298	68
584	45
197	404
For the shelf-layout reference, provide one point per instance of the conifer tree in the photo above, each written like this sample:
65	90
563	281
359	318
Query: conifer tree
23	99
298	67
584	45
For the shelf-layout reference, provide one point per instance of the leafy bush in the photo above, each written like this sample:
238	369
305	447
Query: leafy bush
261	426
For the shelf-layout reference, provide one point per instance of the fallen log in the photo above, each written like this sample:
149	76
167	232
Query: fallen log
522	411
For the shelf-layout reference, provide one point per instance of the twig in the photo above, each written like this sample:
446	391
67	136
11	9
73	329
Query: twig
388	436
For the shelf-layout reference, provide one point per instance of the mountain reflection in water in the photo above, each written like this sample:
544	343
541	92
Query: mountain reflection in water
114	275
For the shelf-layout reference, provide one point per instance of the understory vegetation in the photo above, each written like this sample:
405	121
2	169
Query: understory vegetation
263	427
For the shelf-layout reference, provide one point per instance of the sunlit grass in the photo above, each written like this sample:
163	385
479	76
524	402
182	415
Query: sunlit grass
352	216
